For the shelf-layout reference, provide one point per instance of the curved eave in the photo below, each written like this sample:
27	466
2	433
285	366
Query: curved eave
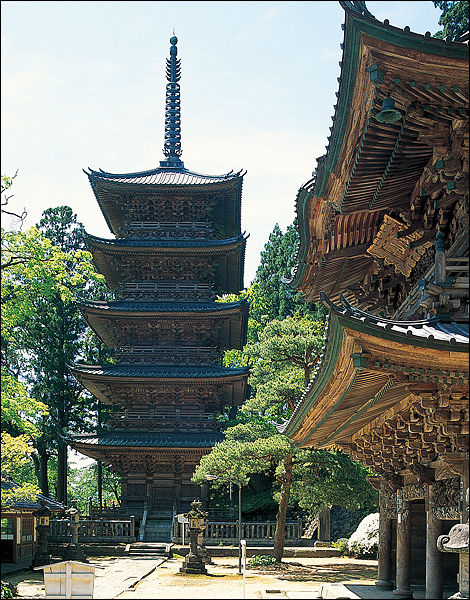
360	33
360	375
98	445
234	317
371	173
98	379
157	247
112	192
231	254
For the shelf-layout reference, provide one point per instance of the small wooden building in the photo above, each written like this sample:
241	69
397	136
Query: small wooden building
384	239
18	525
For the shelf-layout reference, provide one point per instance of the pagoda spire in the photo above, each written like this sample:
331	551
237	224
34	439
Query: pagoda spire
172	147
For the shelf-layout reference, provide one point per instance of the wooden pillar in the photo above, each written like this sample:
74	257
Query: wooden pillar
403	548
324	525
434	558
124	490
385	552
440	259
205	494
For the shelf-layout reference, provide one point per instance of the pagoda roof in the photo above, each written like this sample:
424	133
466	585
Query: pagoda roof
112	193
102	380
164	307
160	372
233	335
371	366
150	440
161	245
229	274
371	166
163	176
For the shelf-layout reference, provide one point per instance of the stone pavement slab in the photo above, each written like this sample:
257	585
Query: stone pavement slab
122	574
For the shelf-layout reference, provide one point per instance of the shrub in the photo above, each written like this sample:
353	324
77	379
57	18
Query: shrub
261	560
364	542
9	590
342	546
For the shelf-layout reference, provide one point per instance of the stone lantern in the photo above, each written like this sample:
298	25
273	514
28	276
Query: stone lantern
457	541
74	552
194	561
42	557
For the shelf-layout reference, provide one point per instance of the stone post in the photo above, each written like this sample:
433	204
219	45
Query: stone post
194	562
323	528
74	551
403	548
434	562
457	541
42	556
132	531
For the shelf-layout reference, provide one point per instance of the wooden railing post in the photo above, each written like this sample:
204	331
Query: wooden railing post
132	532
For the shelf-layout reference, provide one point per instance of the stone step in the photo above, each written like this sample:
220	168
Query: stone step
149	549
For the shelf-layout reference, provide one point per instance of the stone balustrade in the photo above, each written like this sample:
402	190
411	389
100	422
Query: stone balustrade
255	533
91	530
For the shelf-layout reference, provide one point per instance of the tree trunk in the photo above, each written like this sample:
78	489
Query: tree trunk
40	466
100	483
280	533
62	472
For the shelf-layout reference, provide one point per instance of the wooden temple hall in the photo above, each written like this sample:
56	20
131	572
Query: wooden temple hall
177	247
384	237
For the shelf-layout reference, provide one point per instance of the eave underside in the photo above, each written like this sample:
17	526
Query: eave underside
211	392
374	385
222	265
415	170
120	203
119	328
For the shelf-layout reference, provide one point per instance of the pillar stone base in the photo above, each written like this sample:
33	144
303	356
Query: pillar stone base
402	593
385	584
193	565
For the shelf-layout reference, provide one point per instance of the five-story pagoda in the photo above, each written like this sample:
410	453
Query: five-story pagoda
178	246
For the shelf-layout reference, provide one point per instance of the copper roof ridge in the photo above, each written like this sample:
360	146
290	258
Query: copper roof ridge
140	305
106	174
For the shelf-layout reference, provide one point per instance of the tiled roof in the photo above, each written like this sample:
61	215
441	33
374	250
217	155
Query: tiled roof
29	504
162	176
440	329
150	440
438	333
144	243
173	372
163	307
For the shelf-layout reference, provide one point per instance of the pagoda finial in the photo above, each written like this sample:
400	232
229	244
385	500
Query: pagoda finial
172	147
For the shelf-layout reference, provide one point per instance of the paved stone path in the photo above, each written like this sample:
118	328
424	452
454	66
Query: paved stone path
158	578
122	574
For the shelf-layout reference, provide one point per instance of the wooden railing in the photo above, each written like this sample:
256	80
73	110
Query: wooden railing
255	533
100	530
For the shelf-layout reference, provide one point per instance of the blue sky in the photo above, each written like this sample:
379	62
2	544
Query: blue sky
83	85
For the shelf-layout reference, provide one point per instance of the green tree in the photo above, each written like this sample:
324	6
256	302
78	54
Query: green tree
282	361
84	481
17	217
281	364
42	330
454	18
274	274
19	413
311	478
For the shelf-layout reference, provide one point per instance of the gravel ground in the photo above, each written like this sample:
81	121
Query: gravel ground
299	578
